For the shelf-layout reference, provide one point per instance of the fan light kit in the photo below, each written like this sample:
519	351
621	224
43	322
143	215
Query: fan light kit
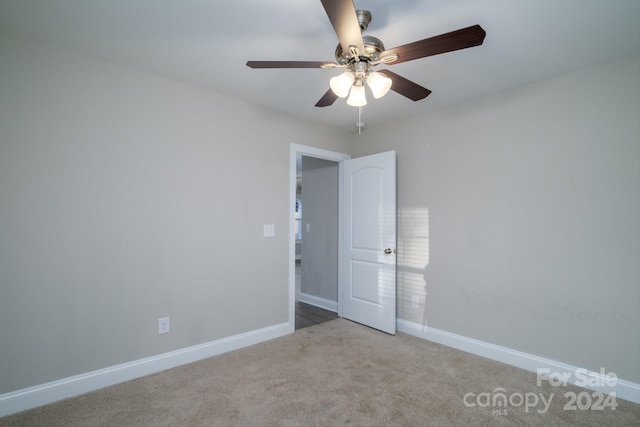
360	54
351	83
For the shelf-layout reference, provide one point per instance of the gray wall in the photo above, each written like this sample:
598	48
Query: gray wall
124	198
519	217
319	269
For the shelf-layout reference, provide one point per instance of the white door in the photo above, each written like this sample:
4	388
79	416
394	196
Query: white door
368	257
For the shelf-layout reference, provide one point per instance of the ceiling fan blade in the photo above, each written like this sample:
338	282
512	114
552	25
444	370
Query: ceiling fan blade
291	64
327	99
448	42
406	87
343	17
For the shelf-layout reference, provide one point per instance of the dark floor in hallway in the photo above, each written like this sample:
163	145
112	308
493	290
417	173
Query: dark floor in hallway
309	315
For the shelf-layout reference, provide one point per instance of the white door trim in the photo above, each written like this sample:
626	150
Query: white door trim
304	150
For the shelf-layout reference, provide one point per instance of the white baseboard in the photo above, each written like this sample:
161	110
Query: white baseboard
318	302
626	390
31	397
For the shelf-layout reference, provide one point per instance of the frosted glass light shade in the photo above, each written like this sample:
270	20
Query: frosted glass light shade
341	84
379	84
357	97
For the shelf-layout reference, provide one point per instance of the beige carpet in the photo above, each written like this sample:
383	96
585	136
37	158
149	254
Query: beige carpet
335	374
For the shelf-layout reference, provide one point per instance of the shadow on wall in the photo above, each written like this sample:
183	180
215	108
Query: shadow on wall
413	260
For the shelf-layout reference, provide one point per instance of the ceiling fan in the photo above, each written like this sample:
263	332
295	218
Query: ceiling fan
359	54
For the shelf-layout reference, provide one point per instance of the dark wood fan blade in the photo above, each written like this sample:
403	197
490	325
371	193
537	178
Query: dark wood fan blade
288	64
327	99
448	42
406	87
342	14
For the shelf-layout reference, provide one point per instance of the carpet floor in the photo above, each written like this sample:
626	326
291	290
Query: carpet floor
338	373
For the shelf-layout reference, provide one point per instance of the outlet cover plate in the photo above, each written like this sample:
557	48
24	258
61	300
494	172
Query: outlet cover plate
269	230
163	325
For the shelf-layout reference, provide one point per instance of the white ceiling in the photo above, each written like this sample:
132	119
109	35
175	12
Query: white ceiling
206	43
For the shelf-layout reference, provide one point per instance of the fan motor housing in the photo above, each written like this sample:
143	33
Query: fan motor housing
372	45
372	49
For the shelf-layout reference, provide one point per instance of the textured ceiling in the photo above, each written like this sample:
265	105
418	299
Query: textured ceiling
206	43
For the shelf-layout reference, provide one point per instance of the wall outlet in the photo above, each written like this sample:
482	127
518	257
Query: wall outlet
163	325
414	301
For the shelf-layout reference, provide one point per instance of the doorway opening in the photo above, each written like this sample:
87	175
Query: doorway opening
313	254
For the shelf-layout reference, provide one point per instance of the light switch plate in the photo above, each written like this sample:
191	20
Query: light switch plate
269	230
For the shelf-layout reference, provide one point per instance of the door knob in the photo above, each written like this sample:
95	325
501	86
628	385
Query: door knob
388	251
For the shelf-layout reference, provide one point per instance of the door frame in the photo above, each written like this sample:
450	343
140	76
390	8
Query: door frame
304	150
